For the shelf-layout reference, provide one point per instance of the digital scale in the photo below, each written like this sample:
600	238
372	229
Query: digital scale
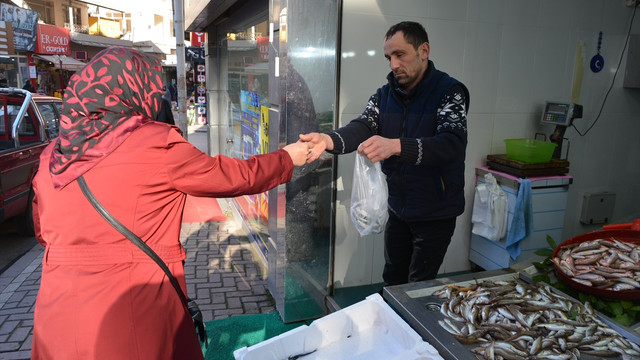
561	115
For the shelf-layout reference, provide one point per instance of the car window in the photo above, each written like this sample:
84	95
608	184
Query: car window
2	121
27	128
51	118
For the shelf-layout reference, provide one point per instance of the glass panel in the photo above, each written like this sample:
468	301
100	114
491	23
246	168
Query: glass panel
3	127
308	64
263	111
26	128
248	115
50	117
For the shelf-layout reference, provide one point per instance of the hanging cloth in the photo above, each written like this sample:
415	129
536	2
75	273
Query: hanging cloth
522	222
490	210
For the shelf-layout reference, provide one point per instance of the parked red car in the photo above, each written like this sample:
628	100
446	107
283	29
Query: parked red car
28	122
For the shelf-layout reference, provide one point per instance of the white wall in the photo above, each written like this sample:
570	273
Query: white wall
513	55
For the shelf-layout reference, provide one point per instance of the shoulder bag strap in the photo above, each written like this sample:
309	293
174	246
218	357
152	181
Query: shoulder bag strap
190	305
131	236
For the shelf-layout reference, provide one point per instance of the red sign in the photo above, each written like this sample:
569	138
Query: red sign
197	39
263	48
53	40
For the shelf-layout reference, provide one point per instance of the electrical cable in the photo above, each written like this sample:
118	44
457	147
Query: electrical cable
614	77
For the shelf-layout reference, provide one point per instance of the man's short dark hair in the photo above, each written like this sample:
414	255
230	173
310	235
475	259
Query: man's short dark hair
414	33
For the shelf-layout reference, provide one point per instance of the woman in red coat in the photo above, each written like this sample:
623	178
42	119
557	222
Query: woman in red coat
101	297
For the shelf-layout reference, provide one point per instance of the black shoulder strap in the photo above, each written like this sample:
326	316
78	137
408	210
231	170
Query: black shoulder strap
131	236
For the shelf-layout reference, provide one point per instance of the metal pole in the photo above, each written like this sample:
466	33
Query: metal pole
178	21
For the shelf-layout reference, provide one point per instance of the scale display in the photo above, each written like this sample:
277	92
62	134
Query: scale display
556	113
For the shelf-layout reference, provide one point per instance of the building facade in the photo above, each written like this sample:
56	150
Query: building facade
52	39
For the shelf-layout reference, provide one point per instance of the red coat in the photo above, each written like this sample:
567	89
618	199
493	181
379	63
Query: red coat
100	296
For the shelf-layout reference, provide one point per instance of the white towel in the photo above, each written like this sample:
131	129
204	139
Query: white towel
490	210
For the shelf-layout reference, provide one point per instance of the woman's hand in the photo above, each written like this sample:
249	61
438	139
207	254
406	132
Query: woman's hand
319	143
299	152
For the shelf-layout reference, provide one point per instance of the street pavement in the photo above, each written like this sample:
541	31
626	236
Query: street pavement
220	270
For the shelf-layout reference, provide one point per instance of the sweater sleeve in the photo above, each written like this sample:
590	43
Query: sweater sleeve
196	173
349	137
450	140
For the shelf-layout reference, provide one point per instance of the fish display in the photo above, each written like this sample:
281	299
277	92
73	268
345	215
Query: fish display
515	320
608	264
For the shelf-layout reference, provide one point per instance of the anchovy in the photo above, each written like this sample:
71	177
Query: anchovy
601	263
528	321
548	355
449	326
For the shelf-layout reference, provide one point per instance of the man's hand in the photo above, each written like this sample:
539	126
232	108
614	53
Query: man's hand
299	152
319	142
377	148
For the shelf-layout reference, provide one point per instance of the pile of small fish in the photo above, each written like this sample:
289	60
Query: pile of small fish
608	264
516	320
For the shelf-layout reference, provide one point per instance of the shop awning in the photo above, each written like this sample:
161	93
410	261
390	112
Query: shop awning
98	41
68	63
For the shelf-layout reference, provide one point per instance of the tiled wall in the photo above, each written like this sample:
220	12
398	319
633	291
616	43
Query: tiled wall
513	55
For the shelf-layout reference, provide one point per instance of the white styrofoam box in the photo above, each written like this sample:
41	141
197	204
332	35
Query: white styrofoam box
369	330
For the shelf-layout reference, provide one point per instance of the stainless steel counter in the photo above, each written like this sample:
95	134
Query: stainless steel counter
415	303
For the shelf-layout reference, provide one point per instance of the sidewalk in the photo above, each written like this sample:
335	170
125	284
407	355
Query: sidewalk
220	270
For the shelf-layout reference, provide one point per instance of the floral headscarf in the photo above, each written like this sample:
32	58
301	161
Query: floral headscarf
113	95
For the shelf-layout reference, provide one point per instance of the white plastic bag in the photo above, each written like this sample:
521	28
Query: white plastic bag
368	197
490	210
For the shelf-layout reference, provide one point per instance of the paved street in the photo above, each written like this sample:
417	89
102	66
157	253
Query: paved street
220	269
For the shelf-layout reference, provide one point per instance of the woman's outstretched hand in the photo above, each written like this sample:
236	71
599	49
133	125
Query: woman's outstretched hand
319	143
299	152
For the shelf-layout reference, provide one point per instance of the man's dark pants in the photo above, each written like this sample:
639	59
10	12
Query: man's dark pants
414	251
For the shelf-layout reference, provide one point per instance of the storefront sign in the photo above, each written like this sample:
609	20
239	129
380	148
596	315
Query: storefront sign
53	40
263	48
23	23
197	39
195	54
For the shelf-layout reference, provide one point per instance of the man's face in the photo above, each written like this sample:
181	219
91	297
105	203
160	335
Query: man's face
407	63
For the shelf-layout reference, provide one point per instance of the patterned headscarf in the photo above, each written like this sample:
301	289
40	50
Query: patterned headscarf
113	95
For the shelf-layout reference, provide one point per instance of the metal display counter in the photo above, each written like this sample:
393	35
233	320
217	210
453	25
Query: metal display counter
417	305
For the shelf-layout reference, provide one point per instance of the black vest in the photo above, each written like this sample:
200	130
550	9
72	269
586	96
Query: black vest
420	192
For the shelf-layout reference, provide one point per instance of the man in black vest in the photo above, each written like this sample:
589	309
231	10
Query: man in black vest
416	125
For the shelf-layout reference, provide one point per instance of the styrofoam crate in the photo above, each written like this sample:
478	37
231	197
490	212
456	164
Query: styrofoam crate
369	330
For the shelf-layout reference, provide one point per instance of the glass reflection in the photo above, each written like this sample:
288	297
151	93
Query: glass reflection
308	79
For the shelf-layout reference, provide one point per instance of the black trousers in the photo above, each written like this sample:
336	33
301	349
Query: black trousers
414	251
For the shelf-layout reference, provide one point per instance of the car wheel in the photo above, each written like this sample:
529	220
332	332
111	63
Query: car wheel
25	221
